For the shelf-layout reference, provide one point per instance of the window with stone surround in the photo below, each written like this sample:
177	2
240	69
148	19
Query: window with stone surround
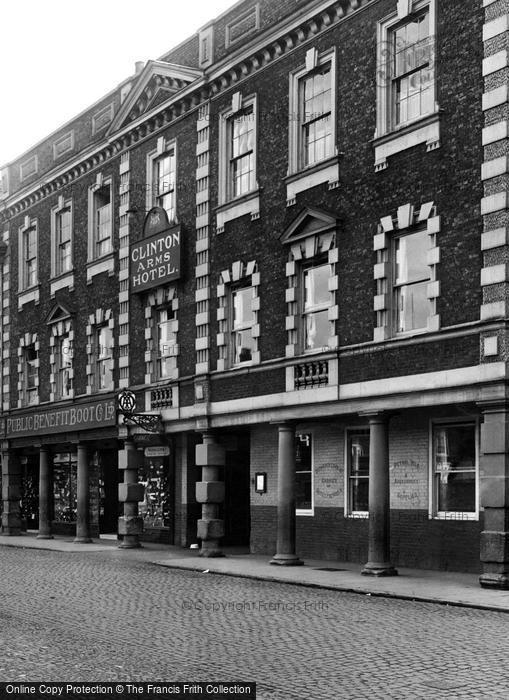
161	335
100	351
315	304
237	314
100	232
406	271
304	502
29	257
357	472
454	471
61	354
166	342
61	238
161	177
28	370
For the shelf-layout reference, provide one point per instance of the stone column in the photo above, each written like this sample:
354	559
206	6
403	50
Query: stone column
285	545
130	493
83	498
44	495
210	493
11	493
494	485
379	563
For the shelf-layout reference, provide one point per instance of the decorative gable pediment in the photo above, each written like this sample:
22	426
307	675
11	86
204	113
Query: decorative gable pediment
58	313
310	222
157	82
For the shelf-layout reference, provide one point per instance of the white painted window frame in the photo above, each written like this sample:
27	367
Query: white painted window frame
348	512
453	516
62	205
99	184
314	60
28	225
163	147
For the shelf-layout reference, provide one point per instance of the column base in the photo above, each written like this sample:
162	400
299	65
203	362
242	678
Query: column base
211	553
82	540
130	542
494	581
286	560
385	569
12	531
42	536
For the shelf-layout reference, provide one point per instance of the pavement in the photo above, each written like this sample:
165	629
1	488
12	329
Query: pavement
447	588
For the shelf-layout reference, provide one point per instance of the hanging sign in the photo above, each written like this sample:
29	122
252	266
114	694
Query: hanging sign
155	260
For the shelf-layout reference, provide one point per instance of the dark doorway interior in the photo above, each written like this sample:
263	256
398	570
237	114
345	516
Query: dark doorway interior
108	492
236	511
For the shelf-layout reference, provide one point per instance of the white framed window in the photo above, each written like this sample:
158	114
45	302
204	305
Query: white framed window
103	358
406	74
315	305
100	219
242	322
166	343
61	238
454	472
31	374
29	275
304	500
312	125
63	353
411	276
357	472
238	142
161	178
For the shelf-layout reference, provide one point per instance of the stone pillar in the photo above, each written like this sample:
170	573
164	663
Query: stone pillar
285	545
83	498
210	493
379	563
11	493
130	493
44	495
494	485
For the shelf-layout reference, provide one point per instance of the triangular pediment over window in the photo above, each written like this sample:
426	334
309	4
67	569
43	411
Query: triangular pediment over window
309	222
157	82
58	313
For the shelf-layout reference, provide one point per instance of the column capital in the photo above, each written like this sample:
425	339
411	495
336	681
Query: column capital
283	425
377	416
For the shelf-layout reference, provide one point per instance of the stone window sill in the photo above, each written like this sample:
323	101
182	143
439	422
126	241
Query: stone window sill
424	130
327	171
235	208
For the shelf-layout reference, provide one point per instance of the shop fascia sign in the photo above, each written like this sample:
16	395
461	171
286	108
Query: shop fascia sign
84	416
155	260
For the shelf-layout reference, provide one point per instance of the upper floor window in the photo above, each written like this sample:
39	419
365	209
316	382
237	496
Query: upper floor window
315	306
412	274
29	257
103	358
63	366
164	183
30	371
242	322
63	258
312	132
103	224
406	75
454	470
411	69
238	134
166	343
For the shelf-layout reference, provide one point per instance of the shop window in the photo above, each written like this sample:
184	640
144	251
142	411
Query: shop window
454	471
303	474
63	367
412	274
357	471
166	343
65	487
242	321
103	355
316	301
30	374
156	506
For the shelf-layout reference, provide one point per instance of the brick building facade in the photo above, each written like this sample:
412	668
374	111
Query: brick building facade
288	237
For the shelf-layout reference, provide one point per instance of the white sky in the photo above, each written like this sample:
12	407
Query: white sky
58	57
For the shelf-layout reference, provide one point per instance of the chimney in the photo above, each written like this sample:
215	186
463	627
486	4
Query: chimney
139	66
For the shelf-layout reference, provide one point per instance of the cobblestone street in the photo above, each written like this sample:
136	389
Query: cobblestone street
114	615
